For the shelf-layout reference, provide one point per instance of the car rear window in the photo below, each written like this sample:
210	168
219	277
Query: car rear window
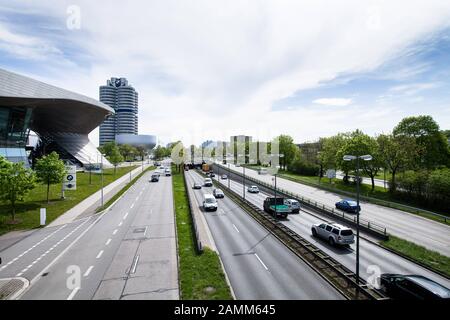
346	232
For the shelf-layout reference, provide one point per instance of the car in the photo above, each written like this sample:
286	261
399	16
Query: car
293	205
208	182
154	178
211	174
253	189
161	168
262	171
412	287
209	202
197	185
348	206
167	172
218	193
224	177
334	233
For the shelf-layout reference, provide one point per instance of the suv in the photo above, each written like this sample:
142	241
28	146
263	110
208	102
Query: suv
218	193
209	202
415	287
293	204
334	233
167	172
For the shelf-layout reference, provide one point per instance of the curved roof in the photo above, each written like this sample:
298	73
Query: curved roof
54	109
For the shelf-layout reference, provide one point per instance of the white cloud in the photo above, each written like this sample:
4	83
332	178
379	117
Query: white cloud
207	69
413	88
341	102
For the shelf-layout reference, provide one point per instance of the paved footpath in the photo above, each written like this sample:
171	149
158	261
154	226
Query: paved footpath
129	252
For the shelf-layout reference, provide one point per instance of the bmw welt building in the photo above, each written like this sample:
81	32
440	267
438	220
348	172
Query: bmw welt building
61	119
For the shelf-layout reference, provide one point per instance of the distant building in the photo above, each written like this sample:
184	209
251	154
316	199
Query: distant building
123	98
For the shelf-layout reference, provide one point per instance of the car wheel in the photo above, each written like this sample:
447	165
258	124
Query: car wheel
331	241
314	232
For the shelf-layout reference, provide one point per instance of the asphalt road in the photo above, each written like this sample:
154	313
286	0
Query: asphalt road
430	234
127	253
257	264
373	258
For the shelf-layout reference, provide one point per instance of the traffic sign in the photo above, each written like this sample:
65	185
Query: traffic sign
70	180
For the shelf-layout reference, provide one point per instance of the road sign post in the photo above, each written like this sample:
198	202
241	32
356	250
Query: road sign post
43	216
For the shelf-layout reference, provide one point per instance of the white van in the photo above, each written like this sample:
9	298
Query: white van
208	182
209	202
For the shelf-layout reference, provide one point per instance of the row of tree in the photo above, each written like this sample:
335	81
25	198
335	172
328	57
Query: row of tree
16	180
119	153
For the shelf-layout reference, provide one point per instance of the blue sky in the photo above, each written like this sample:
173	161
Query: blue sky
213	69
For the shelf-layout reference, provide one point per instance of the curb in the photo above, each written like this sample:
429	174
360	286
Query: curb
16	292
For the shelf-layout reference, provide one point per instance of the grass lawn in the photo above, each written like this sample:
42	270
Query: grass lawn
419	253
201	275
27	212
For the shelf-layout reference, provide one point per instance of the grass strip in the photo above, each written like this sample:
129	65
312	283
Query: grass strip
27	212
122	191
430	258
201	275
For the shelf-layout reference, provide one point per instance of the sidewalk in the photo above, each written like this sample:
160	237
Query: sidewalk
94	201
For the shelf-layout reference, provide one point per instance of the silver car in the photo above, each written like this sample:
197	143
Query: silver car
293	204
334	233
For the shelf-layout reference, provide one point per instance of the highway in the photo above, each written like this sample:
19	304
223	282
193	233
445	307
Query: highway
370	254
127	253
257	264
430	234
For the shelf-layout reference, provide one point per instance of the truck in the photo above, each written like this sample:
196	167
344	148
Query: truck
276	207
205	167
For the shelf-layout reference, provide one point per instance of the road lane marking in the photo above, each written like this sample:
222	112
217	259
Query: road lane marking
135	262
114	232
236	228
125	216
73	293
99	255
265	267
120	224
108	242
132	206
88	271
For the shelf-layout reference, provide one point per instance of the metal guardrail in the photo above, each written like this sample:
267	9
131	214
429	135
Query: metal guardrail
365	225
198	243
339	276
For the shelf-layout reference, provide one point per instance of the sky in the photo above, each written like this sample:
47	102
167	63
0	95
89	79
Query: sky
208	69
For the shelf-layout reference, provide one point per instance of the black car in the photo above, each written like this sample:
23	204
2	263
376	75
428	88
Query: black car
154	178
412	287
211	174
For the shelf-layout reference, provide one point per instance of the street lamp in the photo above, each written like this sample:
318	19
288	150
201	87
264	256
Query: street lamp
275	180
367	157
243	175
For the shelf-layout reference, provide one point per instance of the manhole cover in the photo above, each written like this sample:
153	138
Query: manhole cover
139	230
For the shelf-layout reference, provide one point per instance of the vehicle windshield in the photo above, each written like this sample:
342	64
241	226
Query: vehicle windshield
346	233
210	200
352	203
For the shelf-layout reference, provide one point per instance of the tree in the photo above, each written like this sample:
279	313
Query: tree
115	157
397	153
50	170
360	144
288	149
127	151
330	148
108	148
434	148
141	152
15	183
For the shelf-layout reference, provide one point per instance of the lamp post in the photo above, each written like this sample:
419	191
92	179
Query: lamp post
367	157
275	180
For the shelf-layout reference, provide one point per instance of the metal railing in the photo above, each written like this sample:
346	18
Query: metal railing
339	276
365	225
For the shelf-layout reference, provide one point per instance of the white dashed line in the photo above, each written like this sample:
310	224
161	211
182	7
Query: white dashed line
99	255
125	216
73	293
132	206
108	242
261	262
236	228
88	271
120	224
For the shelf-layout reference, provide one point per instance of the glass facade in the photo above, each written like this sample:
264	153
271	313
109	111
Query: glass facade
14	130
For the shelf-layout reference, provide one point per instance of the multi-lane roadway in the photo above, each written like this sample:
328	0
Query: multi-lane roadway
257	264
129	252
425	232
373	258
